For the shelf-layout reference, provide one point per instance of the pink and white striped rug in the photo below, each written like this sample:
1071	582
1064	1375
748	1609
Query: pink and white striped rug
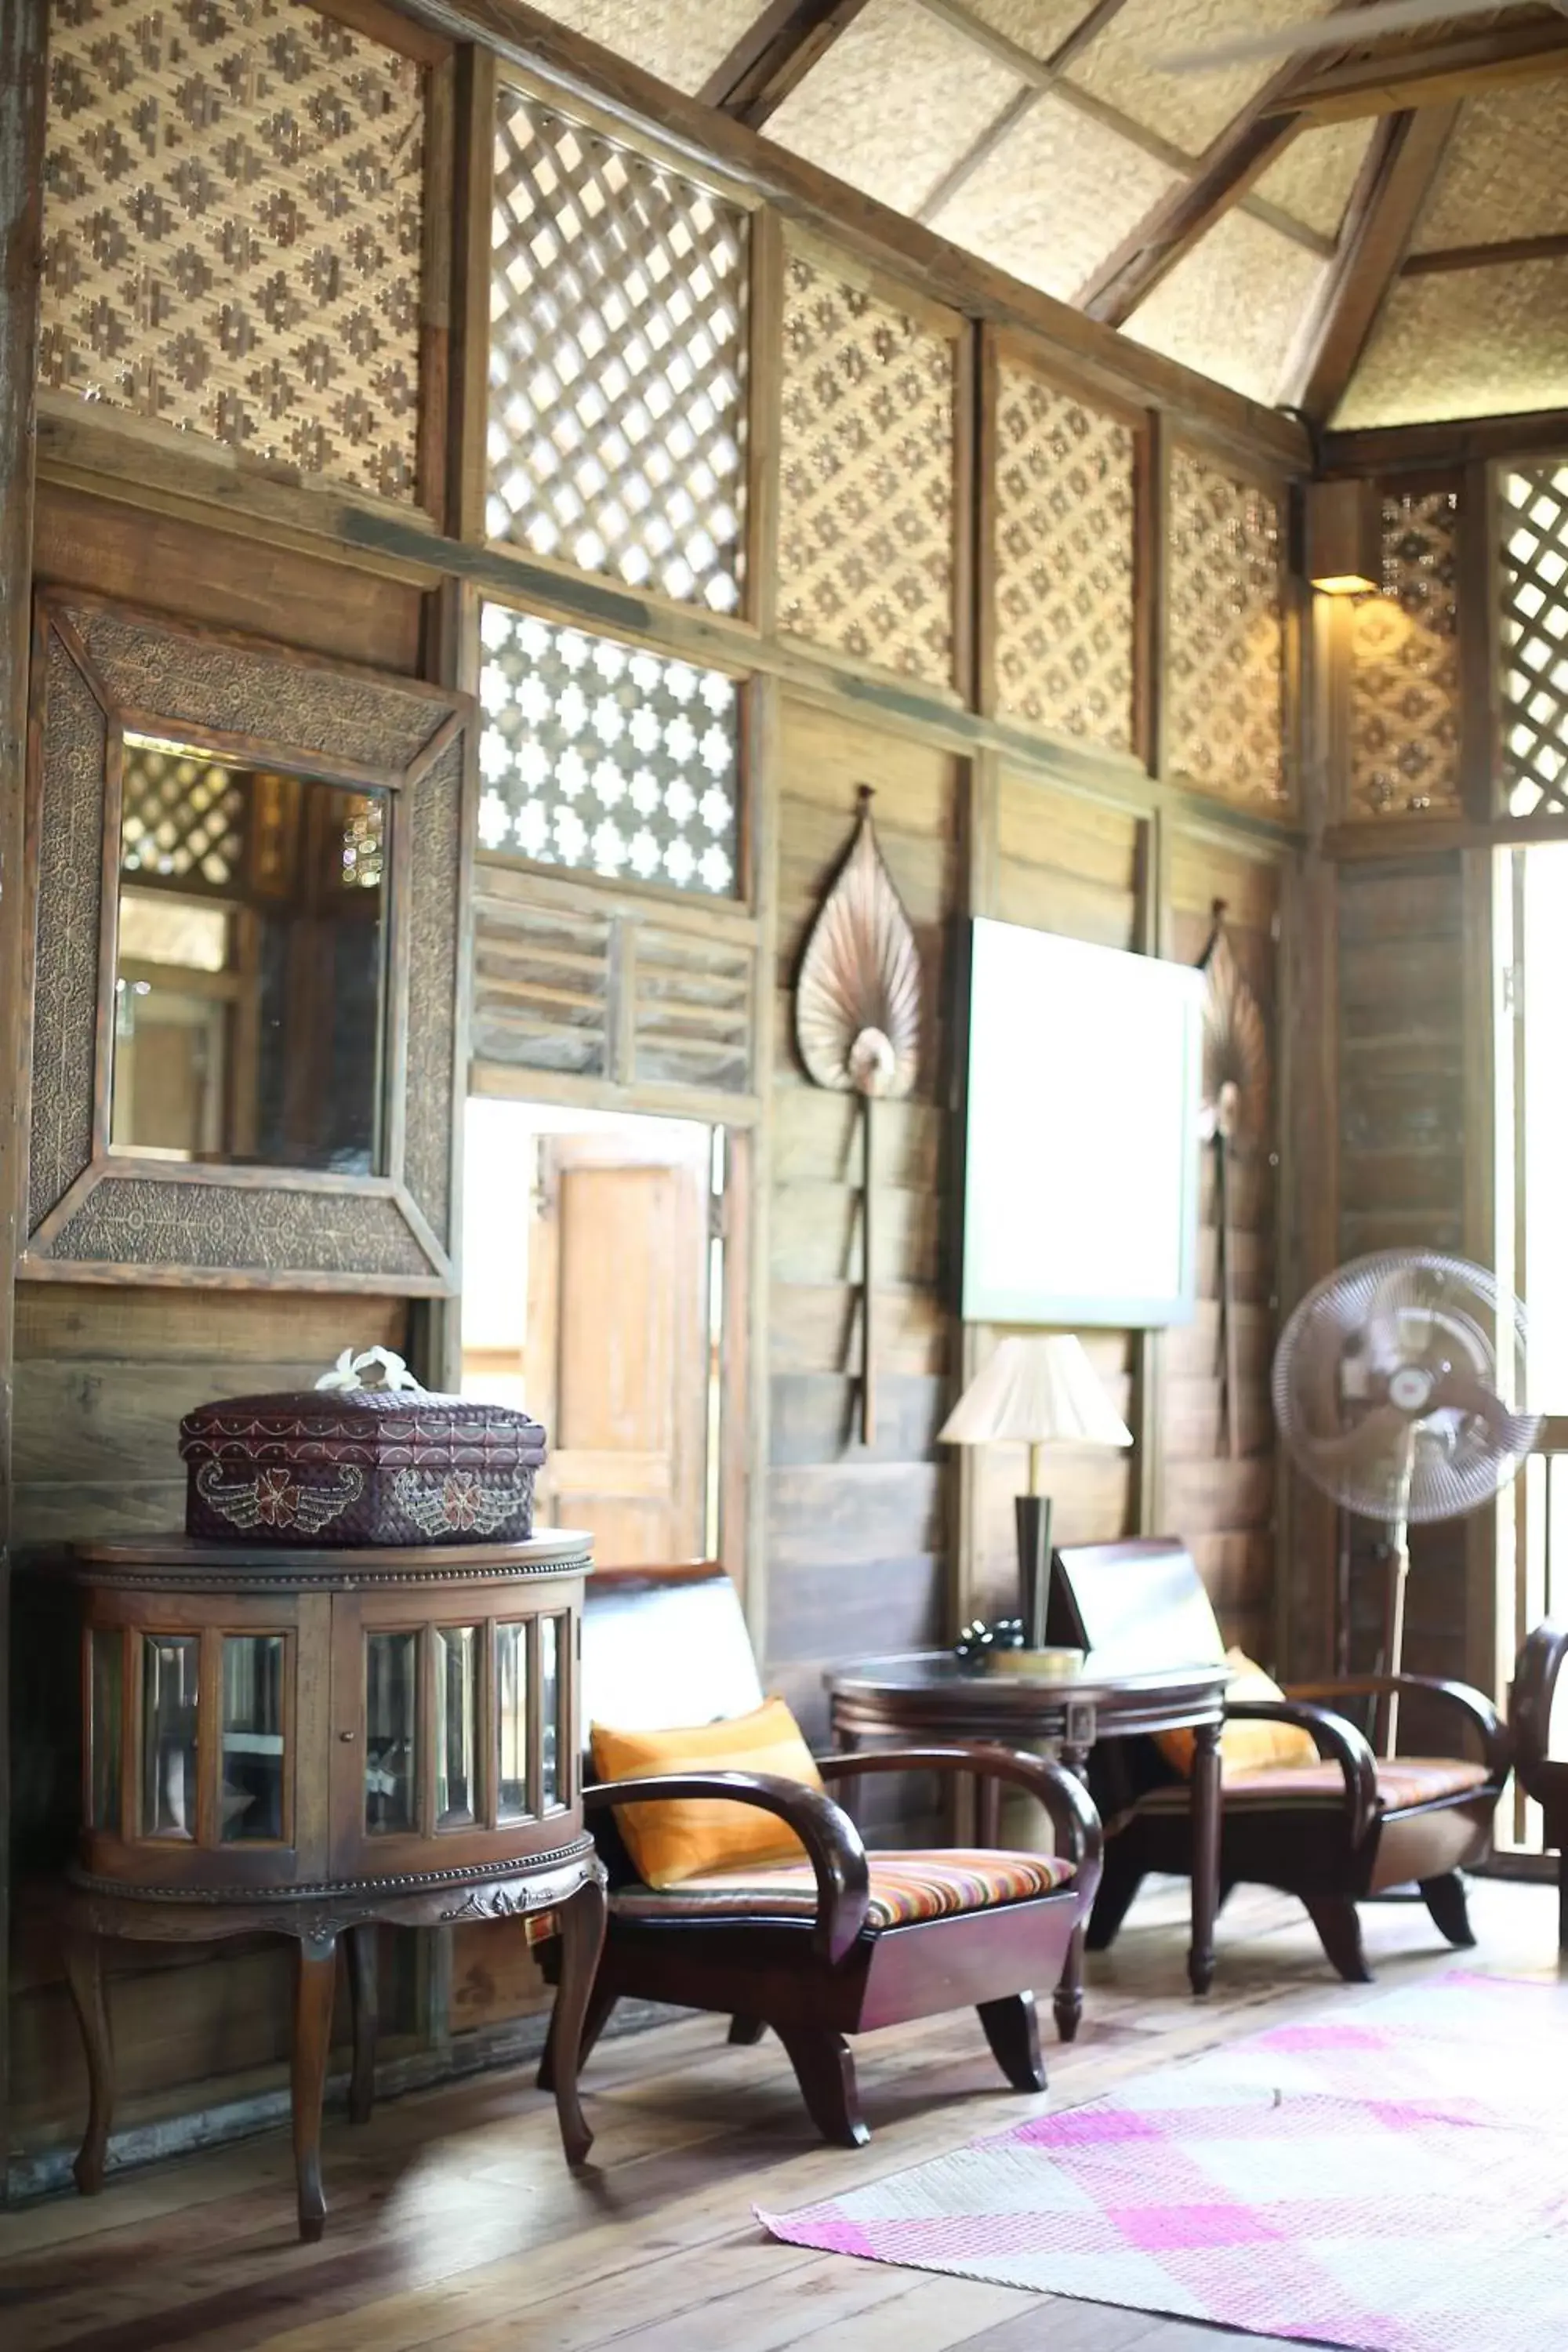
1393	2179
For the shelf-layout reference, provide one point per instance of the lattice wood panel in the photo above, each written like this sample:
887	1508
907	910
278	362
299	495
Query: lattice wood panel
869	502
1535	638
1225	668
618	362
232	229
1063	554
596	755
183	817
1405	668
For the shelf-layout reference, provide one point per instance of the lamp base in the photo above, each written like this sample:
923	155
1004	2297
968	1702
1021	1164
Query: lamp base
1033	1513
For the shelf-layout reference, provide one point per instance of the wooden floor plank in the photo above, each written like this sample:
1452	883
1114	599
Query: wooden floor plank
455	2227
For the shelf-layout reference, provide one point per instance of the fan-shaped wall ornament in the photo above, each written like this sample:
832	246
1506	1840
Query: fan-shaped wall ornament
857	1022
1235	1085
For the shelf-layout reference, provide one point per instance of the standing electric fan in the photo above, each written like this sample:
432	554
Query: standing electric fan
1397	1386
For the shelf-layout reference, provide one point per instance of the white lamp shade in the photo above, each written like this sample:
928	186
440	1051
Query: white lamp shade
1036	1392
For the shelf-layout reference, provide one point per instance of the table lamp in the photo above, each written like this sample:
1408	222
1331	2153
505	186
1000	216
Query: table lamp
1036	1392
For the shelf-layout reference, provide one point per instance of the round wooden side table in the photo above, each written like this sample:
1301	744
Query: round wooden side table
930	1695
309	1743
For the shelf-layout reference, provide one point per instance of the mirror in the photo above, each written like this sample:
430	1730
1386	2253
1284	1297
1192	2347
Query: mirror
250	978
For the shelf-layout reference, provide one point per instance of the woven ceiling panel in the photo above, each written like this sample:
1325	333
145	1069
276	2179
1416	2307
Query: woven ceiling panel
948	91
1226	672
1064	621
599	756
1122	64
618	362
1055	199
1039	25
1231	306
681	41
1464	343
1313	179
1535	639
1405	668
867	504
232	230
1503	173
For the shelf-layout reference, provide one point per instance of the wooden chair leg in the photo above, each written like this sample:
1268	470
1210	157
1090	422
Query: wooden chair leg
1338	1924
1013	2030
315	1982
1445	1899
1119	1883
825	2069
84	1974
744	2031
364	1998
582	1946
1067	2001
1562	1899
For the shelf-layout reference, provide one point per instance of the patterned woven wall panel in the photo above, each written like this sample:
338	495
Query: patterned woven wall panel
1405	668
232	229
1064	562
618	362
868	503
1226	672
598	756
1534	518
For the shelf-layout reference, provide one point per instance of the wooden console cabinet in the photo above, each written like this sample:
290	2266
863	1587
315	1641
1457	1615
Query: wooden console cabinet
308	1742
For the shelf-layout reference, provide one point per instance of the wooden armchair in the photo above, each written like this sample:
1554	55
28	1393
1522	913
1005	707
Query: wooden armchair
1349	1825
846	1940
1543	1775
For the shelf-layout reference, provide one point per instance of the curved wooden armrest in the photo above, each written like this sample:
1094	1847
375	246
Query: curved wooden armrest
1067	1802
1533	1697
830	1838
1337	1742
1497	1746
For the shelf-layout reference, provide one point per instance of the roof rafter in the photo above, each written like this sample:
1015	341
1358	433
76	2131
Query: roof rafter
1395	179
1433	72
775	54
1501	252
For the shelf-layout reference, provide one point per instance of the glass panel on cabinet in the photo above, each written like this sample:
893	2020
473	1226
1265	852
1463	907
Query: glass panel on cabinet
512	1722
390	1721
251	1798
170	1670
551	1691
456	1722
108	1705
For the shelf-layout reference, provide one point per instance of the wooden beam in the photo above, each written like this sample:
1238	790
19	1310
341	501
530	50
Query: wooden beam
774	56
1240	156
24	35
1390	192
1487	256
1433	74
1417	448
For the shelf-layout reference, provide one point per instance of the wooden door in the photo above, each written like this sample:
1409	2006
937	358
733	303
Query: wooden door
619	1359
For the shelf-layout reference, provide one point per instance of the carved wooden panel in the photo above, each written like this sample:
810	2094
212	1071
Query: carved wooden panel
618	362
1226	663
1063	557
868	502
233	222
601	756
1534	513
1405	668
94	1209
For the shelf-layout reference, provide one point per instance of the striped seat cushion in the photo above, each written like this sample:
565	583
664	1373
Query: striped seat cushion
1400	1780
905	1887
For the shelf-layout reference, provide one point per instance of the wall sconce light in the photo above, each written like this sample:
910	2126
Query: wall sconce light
1344	538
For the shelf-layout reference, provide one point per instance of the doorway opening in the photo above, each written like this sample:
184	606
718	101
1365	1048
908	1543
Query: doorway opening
593	1288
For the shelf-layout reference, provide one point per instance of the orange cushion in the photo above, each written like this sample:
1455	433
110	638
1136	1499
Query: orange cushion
1244	1746
683	1836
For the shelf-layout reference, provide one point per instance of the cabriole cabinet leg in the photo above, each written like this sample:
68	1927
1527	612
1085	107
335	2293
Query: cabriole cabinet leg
84	1974
582	1924
314	1985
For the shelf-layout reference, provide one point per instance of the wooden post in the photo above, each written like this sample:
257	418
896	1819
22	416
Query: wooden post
24	29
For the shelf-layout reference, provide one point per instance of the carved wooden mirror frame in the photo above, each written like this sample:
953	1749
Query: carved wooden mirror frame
101	670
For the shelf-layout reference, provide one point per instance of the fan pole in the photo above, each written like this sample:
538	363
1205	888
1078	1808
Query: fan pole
869	1353
1398	1582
